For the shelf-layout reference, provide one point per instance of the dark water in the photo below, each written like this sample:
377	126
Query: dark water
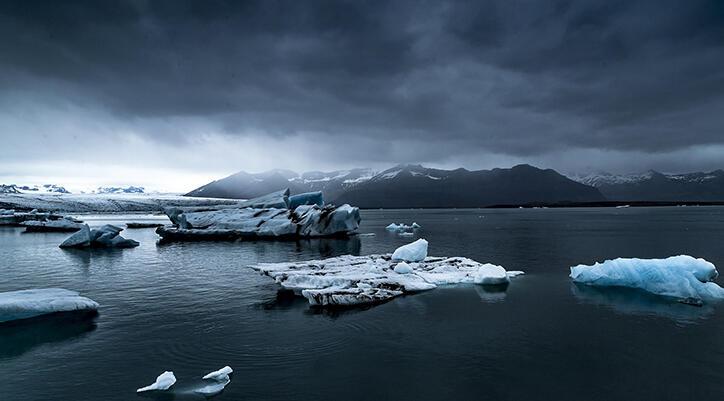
195	307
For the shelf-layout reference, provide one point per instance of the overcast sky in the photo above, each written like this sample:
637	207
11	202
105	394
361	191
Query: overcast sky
172	94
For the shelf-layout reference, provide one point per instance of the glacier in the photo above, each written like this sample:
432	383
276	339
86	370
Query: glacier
683	277
358	280
107	236
163	382
25	304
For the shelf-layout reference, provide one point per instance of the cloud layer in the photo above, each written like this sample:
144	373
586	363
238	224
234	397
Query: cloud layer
209	87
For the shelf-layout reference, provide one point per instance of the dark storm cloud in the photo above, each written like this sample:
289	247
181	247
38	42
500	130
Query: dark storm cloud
517	78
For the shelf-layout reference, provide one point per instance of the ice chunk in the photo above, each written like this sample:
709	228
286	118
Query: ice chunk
219	375
60	225
309	198
413	252
163	382
106	236
80	239
354	280
682	277
277	200
402	227
490	274
24	304
403	268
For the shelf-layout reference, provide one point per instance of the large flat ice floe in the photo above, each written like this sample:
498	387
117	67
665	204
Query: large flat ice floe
357	280
230	223
25	304
682	277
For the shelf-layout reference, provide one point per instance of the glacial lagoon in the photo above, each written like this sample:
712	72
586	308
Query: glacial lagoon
192	308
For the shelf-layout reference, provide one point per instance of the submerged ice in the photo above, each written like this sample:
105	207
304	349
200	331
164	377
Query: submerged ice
682	277
25	304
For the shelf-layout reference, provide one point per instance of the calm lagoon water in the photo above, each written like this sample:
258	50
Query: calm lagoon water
195	307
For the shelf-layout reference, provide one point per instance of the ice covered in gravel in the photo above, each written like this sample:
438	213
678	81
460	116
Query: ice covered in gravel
356	280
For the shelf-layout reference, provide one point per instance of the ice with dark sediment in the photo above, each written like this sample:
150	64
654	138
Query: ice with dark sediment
107	236
356	280
25	304
305	220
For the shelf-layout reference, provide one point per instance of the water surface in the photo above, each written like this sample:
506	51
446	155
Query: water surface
195	307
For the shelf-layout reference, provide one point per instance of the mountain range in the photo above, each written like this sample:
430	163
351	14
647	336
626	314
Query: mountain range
655	186
412	186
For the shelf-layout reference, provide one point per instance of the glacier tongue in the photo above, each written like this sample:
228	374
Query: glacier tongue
356	280
682	277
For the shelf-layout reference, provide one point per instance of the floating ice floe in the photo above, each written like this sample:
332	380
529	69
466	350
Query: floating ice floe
106	236
402	227
143	225
356	280
682	277
163	382
66	224
219	375
13	218
413	252
25	304
305	220
220	378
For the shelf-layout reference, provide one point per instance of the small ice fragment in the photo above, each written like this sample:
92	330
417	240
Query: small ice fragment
403	268
219	375
163	382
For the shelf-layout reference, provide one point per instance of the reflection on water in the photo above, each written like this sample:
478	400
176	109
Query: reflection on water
19	337
633	301
491	293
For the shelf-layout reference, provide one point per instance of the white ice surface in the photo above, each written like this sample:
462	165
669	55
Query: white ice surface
163	382
412	252
682	277
219	375
354	280
24	304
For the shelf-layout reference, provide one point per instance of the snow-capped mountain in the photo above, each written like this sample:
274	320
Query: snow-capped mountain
655	186
119	190
33	189
412	186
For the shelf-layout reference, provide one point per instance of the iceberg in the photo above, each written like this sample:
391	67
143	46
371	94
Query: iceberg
685	278
234	223
65	224
413	252
309	198
25	304
163	382
219	375
357	280
276	200
402	227
106	236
